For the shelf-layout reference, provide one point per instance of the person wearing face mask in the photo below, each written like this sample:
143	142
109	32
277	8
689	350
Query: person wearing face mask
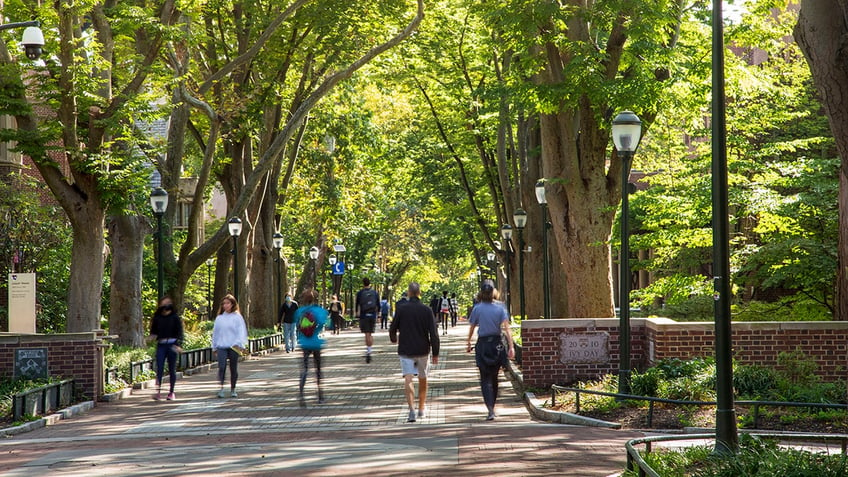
286	321
166	328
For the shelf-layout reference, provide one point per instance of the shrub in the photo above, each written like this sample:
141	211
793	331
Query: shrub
755	382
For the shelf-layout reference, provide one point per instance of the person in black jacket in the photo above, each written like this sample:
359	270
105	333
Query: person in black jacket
167	329
285	320
418	337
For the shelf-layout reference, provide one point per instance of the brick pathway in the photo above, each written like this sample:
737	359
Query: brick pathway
361	430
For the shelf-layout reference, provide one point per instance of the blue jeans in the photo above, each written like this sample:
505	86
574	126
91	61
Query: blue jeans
165	351
289	335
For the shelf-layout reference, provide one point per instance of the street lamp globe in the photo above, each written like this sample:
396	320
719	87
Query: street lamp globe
234	225
159	200
626	132
277	240
490	256
506	231
540	192
520	218
313	253
332	259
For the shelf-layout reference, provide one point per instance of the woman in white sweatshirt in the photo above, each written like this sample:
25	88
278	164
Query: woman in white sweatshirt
229	338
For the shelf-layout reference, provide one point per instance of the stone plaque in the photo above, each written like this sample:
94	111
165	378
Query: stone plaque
31	363
584	348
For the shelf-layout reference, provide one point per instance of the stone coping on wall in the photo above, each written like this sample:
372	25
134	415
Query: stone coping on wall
659	323
14	338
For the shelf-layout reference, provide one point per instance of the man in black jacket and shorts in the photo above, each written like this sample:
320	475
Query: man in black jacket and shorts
418	337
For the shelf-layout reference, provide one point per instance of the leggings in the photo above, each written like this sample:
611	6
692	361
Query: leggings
165	352
489	385
233	356
316	354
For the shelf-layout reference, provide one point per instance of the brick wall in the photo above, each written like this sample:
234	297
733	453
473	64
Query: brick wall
653	339
69	355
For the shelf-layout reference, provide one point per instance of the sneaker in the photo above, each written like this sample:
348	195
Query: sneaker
157	397
491	416
321	401
172	397
302	401
422	413
367	358
411	416
222	394
234	394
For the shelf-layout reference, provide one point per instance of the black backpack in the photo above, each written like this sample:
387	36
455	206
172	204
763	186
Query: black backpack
369	301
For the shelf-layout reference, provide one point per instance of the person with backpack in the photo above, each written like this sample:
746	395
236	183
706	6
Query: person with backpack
384	314
419	336
444	311
310	320
367	308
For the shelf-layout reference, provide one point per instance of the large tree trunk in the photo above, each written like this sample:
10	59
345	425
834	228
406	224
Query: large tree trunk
582	212
126	236
822	34
87	262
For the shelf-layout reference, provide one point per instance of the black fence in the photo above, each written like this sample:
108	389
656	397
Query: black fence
42	400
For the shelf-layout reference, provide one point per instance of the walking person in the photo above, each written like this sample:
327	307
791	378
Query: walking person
336	310
229	340
444	311
310	320
384	314
454	310
491	321
166	328
367	308
286	319
418	337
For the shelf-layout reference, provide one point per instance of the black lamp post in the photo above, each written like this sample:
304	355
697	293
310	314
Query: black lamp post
727	439
159	202
209	263
277	240
337	279
493	268
235	230
313	255
546	269
626	131
506	234
332	260
351	302
520	218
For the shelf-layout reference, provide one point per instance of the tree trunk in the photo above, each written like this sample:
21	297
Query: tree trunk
126	237
822	34
87	259
582	211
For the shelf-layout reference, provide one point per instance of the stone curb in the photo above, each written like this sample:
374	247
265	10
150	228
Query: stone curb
48	420
539	412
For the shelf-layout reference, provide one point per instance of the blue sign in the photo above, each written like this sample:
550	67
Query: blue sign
338	268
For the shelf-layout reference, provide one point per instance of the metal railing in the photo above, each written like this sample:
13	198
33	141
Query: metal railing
635	462
42	400
651	400
193	358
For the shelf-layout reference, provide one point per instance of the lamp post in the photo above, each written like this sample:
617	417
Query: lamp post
727	439
520	219
209	263
546	269
333	260
338	279
350	291
493	268
506	234
234	225
626	131
313	255
159	202
277	240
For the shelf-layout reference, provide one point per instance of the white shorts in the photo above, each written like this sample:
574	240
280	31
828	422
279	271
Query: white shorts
415	365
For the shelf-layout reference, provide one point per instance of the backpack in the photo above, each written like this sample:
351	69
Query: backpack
306	325
369	301
384	308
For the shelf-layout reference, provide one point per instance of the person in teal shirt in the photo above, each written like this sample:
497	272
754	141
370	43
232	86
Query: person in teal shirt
310	320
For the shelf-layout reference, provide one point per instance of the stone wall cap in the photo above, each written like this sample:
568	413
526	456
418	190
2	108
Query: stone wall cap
15	338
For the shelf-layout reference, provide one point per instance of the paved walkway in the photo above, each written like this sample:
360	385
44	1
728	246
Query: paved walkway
360	431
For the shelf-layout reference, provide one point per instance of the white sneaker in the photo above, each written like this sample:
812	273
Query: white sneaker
422	413
221	394
234	394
